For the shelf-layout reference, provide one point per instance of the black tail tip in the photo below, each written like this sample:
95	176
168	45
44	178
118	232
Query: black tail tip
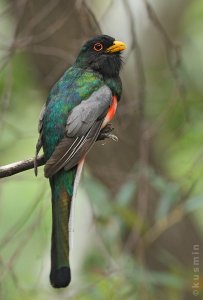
60	278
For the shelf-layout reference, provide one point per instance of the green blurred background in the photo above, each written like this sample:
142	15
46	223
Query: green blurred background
140	203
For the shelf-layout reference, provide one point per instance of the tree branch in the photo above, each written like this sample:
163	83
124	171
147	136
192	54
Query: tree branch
173	53
20	166
27	164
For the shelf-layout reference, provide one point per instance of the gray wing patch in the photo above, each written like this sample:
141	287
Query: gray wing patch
82	128
71	150
82	117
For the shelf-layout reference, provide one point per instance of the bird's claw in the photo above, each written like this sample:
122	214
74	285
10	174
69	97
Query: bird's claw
108	135
112	137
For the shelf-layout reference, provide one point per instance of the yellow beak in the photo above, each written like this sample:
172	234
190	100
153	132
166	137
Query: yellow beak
116	47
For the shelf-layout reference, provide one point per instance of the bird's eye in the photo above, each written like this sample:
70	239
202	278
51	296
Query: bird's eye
98	47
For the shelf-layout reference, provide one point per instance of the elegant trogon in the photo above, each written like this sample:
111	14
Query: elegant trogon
79	105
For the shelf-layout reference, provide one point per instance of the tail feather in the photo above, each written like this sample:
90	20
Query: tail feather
64	187
60	275
72	211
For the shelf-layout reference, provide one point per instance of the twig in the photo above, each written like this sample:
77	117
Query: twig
6	95
23	165
21	222
92	19
20	166
167	221
39	17
172	52
142	138
163	224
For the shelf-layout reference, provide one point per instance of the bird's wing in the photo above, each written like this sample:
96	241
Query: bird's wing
39	142
82	129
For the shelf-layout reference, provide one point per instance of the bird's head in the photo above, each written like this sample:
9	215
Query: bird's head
102	54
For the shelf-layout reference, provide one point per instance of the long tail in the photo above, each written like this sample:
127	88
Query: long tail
72	212
64	187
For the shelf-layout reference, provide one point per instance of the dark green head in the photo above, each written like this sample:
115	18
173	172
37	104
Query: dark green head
102	54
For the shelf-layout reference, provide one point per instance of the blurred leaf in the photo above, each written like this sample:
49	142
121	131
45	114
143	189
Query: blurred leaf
129	218
98	195
194	203
127	191
169	194
168	198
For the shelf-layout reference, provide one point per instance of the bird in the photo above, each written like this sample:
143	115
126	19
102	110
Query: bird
79	106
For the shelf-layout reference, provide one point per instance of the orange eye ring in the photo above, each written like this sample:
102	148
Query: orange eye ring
98	47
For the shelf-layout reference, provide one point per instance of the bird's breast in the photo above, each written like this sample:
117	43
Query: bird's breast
111	112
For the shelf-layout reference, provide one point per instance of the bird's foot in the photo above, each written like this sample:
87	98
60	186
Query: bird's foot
110	136
106	133
113	137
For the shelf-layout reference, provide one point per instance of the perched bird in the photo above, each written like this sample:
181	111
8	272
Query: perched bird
81	103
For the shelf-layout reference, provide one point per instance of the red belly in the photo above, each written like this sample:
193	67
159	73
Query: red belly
111	112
